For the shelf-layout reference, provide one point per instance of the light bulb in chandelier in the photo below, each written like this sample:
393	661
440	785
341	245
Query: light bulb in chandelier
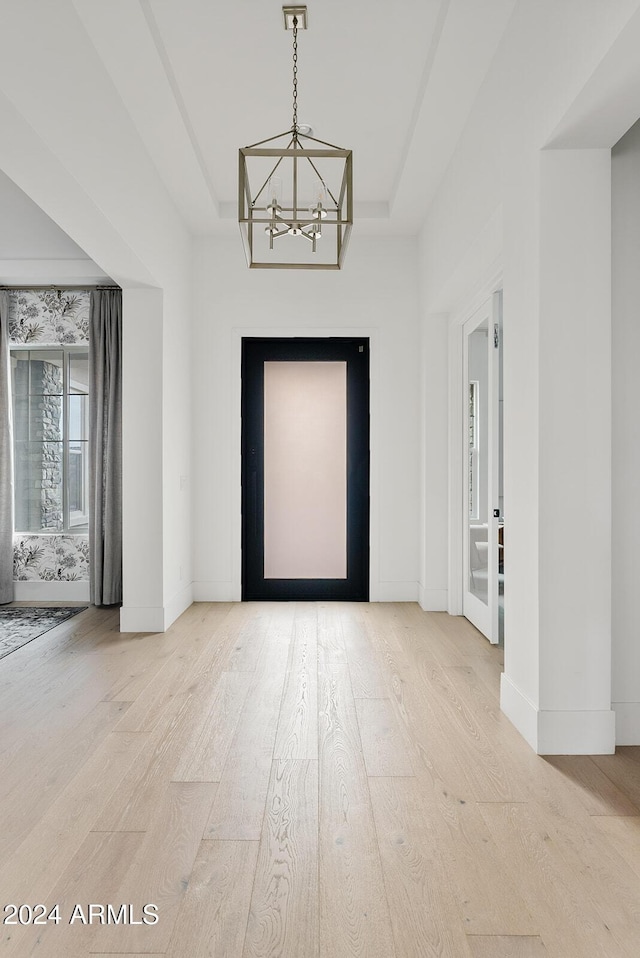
274	194
318	209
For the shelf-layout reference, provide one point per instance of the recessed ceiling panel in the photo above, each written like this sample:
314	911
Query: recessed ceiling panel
360	66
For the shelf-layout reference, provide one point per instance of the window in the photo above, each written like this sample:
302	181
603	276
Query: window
51	432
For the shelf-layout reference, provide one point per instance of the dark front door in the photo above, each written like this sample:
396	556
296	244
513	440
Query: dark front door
305	469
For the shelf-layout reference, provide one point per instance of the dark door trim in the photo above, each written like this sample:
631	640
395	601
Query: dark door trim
355	352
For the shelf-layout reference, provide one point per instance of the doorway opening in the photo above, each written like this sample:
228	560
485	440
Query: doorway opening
483	510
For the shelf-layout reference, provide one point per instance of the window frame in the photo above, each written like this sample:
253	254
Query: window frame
69	527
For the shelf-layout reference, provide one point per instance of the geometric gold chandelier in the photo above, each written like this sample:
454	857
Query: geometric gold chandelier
295	199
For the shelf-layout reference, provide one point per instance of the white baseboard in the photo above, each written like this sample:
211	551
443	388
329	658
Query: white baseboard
519	710
627	722
590	732
555	732
39	591
433	600
216	592
395	592
141	619
380	592
177	605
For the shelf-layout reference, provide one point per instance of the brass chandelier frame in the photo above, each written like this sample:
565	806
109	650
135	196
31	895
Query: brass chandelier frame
261	211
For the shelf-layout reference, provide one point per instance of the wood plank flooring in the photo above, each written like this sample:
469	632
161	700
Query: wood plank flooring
300	780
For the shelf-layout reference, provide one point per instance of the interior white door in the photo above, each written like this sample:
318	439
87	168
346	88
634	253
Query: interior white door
481	337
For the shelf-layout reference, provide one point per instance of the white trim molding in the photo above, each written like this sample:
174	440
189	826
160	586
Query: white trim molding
433	600
520	711
590	732
554	732
60	272
482	294
627	722
397	592
177	605
40	591
216	592
139	619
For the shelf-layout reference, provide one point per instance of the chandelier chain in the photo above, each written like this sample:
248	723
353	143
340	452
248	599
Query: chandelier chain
295	76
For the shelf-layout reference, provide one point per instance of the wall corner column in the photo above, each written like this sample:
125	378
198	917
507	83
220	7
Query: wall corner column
433	586
556	687
574	530
142	487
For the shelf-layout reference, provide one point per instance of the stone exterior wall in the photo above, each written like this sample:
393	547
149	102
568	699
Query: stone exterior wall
50	422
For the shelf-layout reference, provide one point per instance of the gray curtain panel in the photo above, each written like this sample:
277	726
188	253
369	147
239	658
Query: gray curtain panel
105	447
6	458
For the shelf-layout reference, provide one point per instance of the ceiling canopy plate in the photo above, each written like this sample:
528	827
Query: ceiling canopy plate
295	12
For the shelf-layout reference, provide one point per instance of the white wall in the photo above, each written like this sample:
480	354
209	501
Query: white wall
625	563
574	448
495	189
376	294
435	488
34	250
70	145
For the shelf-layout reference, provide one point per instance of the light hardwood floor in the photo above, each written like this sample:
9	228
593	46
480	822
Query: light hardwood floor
303	780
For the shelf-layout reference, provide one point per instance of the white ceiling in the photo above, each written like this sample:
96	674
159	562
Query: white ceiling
33	249
32	233
394	82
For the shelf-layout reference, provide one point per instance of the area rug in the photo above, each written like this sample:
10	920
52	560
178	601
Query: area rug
20	625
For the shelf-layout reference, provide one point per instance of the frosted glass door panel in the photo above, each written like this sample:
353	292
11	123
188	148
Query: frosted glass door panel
305	470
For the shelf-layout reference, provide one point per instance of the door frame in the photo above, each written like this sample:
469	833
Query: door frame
376	590
353	352
484	615
457	450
